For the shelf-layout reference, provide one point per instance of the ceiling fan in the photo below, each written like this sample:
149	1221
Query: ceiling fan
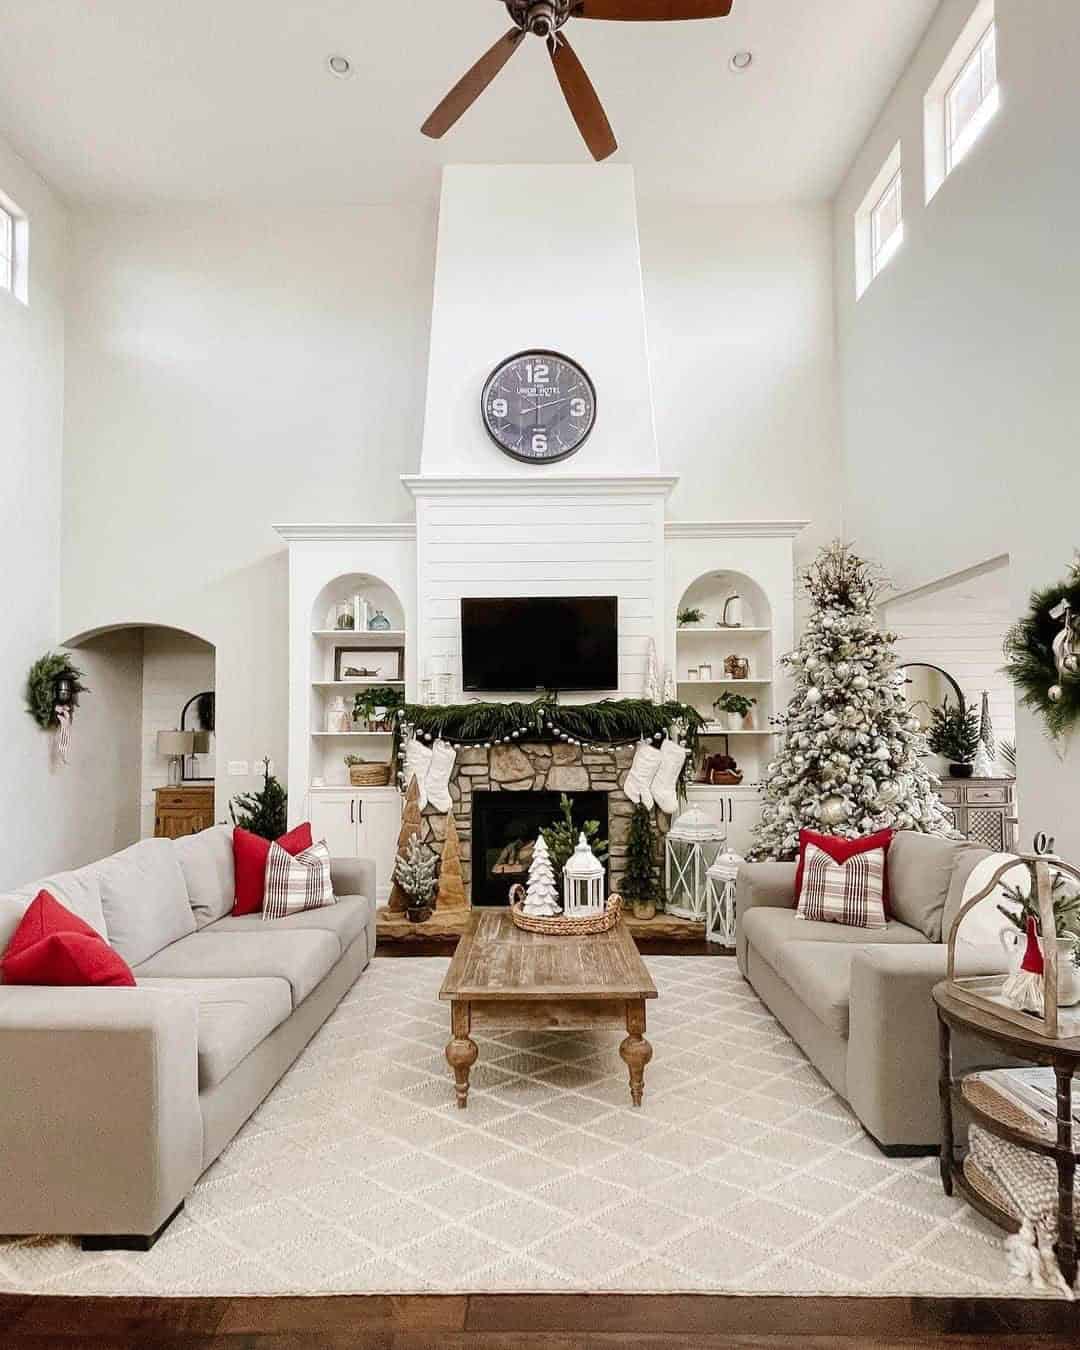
546	19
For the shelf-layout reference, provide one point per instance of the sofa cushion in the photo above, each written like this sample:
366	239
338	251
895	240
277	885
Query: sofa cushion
206	860
250	854
79	892
301	957
145	899
234	1017
346	920
968	857
920	869
52	946
841	850
767	930
820	974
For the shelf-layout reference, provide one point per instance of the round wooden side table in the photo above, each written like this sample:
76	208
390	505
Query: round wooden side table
1063	1056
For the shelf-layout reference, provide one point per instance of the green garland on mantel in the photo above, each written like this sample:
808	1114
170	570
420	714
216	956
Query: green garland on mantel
1029	651
609	723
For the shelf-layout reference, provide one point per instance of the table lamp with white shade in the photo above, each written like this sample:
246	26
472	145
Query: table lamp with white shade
175	744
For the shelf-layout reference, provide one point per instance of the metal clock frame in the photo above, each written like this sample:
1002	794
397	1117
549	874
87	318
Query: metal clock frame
509	361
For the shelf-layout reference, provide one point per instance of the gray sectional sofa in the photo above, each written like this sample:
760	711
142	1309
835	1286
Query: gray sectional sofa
114	1101
858	1002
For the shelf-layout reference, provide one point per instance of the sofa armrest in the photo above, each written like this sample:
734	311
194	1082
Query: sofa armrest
769	884
353	876
892	1067
100	1126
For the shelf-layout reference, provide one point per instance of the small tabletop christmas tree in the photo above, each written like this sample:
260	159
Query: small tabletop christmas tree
415	874
852	759
541	894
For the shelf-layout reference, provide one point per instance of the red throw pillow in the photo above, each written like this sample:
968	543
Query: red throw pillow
840	850
250	852
53	946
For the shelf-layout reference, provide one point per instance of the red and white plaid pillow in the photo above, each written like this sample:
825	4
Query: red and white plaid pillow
297	884
851	892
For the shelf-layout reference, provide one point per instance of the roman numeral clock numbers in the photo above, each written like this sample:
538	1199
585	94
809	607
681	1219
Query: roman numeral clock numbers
539	406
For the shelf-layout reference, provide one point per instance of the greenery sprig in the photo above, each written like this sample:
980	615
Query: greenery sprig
266	812
41	684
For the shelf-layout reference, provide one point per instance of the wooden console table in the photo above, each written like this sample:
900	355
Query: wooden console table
982	809
504	977
1063	1056
179	811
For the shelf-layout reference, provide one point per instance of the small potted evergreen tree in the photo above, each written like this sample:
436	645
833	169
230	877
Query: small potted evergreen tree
954	734
415	874
639	884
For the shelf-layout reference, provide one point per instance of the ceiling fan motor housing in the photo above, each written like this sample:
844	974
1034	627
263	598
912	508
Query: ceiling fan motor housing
540	17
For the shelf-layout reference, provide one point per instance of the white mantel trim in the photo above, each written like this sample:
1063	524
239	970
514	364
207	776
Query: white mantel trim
733	529
376	530
623	485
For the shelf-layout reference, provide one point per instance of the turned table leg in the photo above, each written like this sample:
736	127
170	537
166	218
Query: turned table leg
636	1050
462	1051
945	1095
1066	1170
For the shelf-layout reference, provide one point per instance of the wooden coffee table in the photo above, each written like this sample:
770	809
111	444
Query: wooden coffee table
503	977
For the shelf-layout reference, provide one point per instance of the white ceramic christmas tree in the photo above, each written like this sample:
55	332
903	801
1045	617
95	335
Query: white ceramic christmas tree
852	760
652	676
541	894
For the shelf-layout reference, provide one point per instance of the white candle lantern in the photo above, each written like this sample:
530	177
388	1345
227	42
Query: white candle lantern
693	843
720	898
583	883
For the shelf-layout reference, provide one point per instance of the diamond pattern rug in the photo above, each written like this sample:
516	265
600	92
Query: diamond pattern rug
742	1173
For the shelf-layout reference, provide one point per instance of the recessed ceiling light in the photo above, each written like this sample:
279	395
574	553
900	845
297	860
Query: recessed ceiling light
741	61
340	66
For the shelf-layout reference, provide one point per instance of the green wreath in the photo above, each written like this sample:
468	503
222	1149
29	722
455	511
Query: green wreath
41	687
1031	665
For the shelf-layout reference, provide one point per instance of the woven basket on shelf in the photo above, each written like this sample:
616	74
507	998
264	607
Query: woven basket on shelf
558	926
369	775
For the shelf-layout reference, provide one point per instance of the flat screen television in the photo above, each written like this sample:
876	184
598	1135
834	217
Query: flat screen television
548	642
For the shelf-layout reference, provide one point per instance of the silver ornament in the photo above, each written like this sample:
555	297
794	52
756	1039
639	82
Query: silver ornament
888	791
860	682
813	696
833	810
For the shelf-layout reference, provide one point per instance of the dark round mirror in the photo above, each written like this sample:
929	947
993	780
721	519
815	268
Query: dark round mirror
927	687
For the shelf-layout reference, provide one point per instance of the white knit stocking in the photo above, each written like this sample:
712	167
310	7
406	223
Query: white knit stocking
417	765
665	786
443	758
642	771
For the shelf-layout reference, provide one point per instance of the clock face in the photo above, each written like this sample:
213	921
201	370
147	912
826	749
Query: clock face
539	407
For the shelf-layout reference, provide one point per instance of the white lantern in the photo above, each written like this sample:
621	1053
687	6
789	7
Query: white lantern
720	898
583	883
693	843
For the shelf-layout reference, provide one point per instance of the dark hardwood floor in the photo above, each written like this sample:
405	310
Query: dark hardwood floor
535	1322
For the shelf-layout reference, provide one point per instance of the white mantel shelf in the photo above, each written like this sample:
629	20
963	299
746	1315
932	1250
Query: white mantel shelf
542	485
388	530
733	529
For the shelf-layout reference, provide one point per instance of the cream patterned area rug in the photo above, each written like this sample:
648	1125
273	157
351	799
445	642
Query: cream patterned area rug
743	1171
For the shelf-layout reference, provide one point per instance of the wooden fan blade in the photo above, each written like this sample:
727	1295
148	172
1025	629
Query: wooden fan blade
653	10
471	85
582	100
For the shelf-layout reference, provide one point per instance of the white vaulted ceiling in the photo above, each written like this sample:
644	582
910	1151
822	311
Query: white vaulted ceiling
132	101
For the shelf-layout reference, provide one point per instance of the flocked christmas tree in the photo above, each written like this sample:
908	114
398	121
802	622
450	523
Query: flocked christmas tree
852	758
415	874
541	894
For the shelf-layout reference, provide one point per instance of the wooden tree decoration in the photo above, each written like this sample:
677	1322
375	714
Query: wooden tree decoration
451	884
410	825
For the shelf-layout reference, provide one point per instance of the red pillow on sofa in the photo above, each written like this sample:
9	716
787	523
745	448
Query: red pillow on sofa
250	852
53	946
840	850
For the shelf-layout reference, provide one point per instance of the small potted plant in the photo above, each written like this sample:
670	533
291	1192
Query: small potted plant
954	735
639	883
690	615
374	707
735	708
415	874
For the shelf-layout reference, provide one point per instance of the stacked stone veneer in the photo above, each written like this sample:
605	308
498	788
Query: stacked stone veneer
538	767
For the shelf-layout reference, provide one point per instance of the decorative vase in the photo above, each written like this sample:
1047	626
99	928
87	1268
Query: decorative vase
734	721
338	717
418	913
705	672
961	770
644	909
345	617
379	623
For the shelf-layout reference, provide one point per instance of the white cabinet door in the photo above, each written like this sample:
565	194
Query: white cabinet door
380	824
736	812
334	817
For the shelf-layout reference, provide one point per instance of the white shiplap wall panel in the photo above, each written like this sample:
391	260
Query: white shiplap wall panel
516	544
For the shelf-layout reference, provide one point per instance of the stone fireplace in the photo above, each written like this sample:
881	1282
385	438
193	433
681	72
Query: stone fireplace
534	768
505	827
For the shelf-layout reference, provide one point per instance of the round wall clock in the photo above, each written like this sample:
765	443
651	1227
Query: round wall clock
539	406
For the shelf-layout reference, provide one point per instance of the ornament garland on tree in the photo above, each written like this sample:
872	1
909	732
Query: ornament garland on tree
1042	654
266	812
542	892
852	759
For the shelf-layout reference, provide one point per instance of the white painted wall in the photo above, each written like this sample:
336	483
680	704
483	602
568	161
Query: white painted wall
53	815
176	666
538	256
960	400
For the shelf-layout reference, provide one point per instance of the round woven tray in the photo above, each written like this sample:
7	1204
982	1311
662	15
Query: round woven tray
369	775
982	1094
561	927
